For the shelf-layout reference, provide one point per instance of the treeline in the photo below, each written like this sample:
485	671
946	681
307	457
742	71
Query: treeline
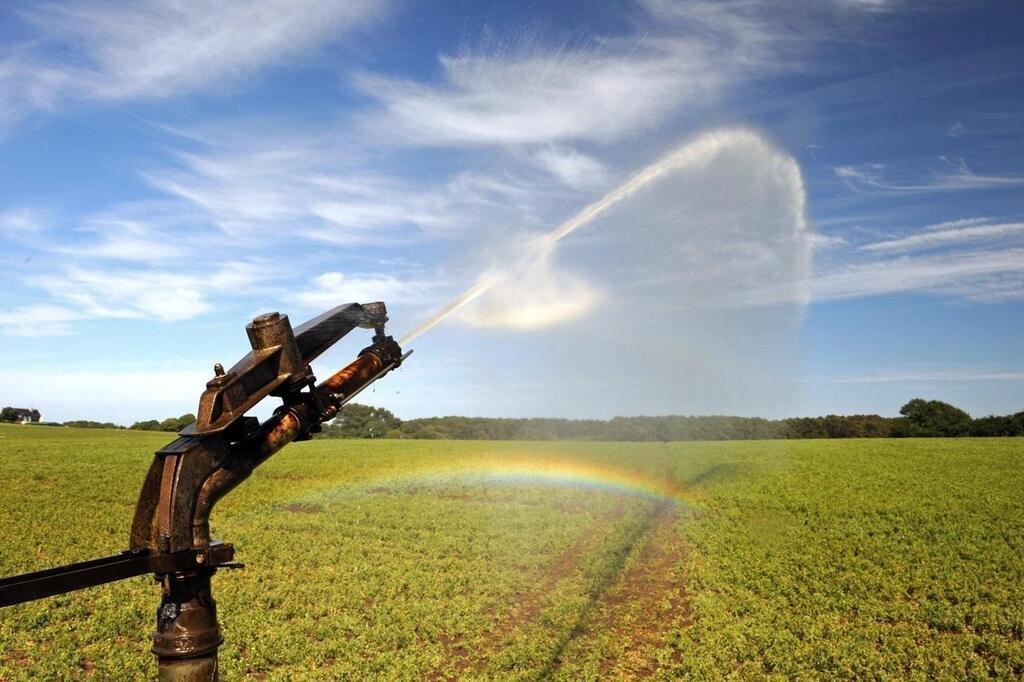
171	424
919	418
88	424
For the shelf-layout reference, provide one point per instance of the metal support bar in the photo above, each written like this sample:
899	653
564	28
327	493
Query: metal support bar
31	586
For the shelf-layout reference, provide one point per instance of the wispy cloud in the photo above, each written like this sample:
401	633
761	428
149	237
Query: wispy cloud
956	176
331	287
822	242
937	238
295	186
140	232
525	94
982	275
116	50
147	294
960	222
38	320
573	168
22	221
942	273
1003	287
959	375
869	5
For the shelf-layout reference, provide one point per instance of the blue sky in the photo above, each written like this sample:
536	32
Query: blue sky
849	236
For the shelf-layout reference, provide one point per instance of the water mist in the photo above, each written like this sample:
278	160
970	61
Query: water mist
659	277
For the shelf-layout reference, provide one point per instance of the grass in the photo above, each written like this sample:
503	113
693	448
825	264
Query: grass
790	559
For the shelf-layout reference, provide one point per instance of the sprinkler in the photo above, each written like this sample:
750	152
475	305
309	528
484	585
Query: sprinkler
170	534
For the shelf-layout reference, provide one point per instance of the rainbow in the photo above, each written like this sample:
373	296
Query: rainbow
565	473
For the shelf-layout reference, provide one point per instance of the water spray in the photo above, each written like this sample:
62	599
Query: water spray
691	152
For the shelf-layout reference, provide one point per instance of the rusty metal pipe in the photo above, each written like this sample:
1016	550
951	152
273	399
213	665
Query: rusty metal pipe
355	376
188	634
287	424
291	422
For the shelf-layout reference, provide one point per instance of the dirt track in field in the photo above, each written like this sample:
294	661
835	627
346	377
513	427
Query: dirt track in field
530	604
646	603
636	608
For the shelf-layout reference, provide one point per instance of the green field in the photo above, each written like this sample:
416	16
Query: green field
839	559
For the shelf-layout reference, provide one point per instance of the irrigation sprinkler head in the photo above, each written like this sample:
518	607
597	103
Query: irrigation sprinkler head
279	361
170	534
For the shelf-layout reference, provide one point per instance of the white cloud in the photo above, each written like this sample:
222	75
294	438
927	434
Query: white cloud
684	56
119	235
865	173
573	168
867	5
26	87
332	288
147	294
956	375
822	242
980	275
22	221
300	186
956	176
491	100
176	272
38	320
937	238
116	50
964	274
1001	287
961	222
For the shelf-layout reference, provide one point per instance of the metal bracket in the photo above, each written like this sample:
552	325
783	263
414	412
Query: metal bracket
279	361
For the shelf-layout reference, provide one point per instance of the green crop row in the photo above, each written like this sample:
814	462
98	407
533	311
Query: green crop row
858	559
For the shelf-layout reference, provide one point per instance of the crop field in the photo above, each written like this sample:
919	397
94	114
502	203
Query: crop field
444	560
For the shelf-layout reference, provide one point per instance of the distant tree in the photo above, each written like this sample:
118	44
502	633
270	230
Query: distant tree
171	424
87	424
8	414
363	421
1010	425
920	418
933	418
176	424
422	429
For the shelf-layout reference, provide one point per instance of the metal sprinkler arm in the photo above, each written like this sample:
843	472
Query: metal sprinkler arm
190	475
223	447
170	533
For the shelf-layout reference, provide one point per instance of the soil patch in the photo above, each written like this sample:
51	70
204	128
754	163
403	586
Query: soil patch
647	602
529	604
301	508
